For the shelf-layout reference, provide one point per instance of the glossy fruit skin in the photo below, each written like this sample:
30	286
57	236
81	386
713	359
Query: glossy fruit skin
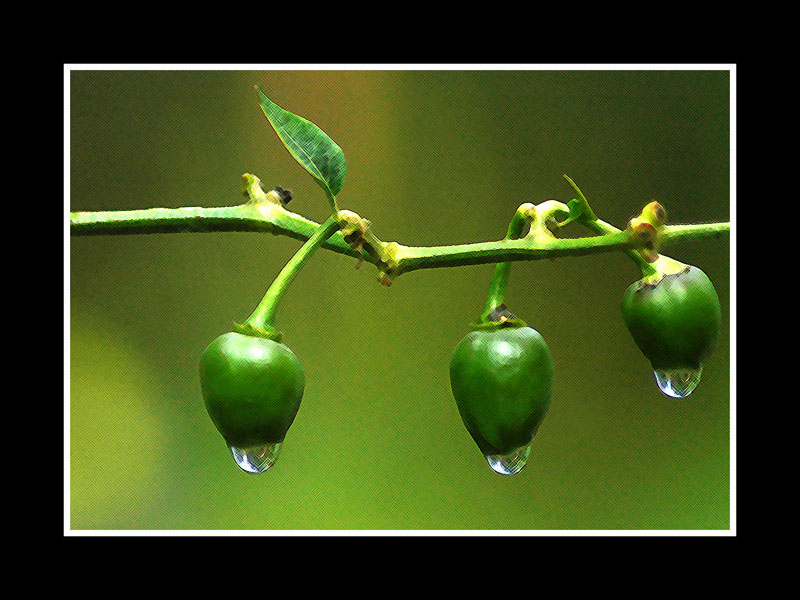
676	322
252	388
502	381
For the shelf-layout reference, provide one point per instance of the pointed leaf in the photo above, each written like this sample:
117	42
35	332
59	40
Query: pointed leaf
309	145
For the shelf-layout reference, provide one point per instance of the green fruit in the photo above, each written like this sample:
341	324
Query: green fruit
502	380
675	322
252	387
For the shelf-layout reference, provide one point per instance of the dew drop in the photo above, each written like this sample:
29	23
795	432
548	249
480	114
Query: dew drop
511	463
678	383
256	459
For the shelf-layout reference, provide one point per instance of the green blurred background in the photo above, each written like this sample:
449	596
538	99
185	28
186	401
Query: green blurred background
433	157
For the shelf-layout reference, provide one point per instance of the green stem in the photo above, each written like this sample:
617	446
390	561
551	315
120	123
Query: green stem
271	218
263	316
499	282
434	257
259	218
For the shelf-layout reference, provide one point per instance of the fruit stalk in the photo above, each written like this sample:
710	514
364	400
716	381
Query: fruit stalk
499	283
263	317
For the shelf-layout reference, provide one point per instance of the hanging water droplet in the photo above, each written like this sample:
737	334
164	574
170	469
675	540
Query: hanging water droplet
511	463
678	383
256	459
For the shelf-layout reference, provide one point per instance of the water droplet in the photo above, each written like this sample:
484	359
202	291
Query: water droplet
511	463
256	459
678	383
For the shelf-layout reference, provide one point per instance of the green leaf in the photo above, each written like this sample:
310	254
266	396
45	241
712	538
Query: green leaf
309	145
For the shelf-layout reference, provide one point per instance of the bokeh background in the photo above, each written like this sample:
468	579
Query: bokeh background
433	157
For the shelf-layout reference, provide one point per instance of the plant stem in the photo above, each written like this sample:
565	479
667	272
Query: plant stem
499	282
263	316
260	217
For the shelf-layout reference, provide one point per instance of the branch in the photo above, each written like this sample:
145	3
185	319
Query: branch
271	217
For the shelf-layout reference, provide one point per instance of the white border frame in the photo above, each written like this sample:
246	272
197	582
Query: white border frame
68	68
